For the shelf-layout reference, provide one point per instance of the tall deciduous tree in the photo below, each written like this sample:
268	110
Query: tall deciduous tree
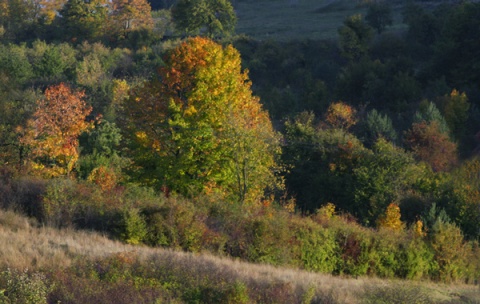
53	132
199	129
130	15
217	17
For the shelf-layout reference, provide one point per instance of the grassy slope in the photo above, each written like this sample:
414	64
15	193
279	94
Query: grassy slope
312	19
24	245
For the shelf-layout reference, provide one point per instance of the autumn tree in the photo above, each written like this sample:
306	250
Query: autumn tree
130	15
432	146
216	17
53	132
199	129
340	115
391	219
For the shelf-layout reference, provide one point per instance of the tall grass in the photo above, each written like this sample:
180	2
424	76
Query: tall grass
87	265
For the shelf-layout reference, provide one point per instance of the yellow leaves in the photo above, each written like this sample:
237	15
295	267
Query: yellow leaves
341	115
418	229
190	110
391	218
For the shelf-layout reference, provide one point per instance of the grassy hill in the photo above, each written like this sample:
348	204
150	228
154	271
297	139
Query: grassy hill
284	20
80	267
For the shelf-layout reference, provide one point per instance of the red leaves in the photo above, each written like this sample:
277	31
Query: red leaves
431	146
57	123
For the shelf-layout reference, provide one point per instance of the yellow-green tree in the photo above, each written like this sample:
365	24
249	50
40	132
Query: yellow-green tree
53	132
391	219
130	15
199	129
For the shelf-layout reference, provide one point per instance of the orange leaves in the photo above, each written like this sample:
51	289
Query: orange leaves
53	132
429	144
340	115
201	126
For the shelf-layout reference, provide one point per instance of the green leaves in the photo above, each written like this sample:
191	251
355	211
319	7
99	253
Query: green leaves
200	129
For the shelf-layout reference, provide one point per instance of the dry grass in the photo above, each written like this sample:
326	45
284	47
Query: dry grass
25	245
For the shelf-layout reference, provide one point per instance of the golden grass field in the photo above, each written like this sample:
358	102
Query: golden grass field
26	245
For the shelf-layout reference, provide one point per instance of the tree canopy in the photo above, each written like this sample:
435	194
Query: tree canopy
216	17
199	129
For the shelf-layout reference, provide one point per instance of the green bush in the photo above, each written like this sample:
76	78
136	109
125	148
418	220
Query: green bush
134	227
319	248
23	287
415	259
449	251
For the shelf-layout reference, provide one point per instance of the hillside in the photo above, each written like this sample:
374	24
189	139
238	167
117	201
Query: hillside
285	20
25	245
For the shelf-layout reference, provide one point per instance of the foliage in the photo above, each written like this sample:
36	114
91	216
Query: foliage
81	20
23	287
391	219
448	246
134	227
355	37
455	109
429	144
377	126
216	16
379	179
428	112
200	128
53	132
379	16
340	115
130	15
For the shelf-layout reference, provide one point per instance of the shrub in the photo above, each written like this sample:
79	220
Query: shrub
23	287
134	227
415	259
449	249
319	249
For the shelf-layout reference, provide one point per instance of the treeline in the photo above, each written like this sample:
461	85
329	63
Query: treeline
378	131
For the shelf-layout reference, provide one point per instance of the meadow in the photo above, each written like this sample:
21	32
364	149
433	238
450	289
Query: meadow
287	20
91	267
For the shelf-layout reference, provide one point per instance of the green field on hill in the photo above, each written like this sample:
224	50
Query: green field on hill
298	19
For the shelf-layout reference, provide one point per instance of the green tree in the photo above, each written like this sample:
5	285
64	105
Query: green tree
199	129
428	112
455	109
83	20
376	126
216	17
355	37
379	16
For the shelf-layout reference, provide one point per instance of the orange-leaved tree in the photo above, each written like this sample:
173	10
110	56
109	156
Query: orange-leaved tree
199	128
53	132
432	146
340	115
